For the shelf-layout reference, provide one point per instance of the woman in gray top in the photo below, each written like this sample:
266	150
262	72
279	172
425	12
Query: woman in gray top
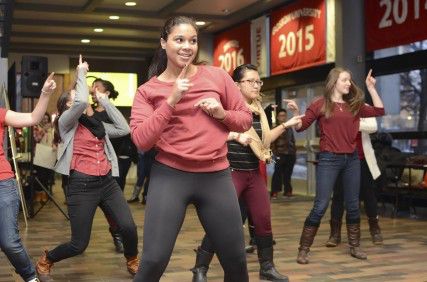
85	154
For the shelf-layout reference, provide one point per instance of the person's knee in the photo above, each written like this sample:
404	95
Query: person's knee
78	247
128	228
12	245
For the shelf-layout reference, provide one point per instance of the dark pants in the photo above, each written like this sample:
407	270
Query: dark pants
282	173
214	197
253	195
85	193
124	165
367	194
329	167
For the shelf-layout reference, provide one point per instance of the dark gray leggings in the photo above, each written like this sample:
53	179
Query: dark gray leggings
214	197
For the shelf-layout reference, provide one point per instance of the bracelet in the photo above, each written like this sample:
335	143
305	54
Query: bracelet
283	125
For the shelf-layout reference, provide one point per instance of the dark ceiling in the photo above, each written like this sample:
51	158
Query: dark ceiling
57	27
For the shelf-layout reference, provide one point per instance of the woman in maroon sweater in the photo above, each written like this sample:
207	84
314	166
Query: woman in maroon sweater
186	111
338	114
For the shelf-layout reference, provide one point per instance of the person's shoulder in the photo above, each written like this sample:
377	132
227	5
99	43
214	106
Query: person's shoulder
317	102
216	71
149	86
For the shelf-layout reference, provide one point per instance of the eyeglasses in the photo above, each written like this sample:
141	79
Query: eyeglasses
253	82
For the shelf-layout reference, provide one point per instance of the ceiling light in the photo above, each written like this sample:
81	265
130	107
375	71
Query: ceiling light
200	23
130	4
98	29
114	17
225	11
85	41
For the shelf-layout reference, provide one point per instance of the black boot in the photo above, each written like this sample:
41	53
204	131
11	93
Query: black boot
267	270
203	259
117	239
375	231
252	244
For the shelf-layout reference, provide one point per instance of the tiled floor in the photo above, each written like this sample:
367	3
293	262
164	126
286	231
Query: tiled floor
401	258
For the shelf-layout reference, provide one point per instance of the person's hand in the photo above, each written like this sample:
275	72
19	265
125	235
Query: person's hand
292	106
211	107
82	65
49	85
99	95
370	80
182	84
244	139
294	121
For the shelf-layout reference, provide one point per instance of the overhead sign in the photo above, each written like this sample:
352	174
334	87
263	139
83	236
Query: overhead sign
232	48
260	45
298	36
394	22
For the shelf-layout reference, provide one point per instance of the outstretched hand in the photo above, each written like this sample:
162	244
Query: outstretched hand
370	80
182	84
292	106
82	65
49	85
294	121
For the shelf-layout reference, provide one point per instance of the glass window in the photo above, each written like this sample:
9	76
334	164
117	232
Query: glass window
399	50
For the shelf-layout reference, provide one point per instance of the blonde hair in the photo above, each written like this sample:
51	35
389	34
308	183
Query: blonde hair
355	98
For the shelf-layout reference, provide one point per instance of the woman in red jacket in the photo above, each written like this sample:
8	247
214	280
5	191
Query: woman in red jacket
186	111
338	114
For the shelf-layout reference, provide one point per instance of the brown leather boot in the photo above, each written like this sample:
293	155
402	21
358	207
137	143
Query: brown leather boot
306	240
43	267
353	231
132	264
335	235
375	231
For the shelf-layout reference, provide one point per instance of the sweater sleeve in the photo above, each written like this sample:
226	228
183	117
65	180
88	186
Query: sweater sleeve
147	123
71	116
238	117
119	127
370	111
310	115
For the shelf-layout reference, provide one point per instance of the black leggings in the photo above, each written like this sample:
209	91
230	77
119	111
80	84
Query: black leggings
84	194
214	197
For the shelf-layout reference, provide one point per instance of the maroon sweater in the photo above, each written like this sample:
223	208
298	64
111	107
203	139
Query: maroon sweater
338	132
186	137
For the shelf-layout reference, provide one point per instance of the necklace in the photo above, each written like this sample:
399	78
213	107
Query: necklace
339	106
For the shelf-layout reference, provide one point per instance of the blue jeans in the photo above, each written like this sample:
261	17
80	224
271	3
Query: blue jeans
10	242
329	167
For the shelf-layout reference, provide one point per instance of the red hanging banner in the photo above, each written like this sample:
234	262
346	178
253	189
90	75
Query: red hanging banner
298	36
232	48
394	22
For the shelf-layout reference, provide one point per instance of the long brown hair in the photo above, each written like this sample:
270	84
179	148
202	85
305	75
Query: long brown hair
61	106
355	98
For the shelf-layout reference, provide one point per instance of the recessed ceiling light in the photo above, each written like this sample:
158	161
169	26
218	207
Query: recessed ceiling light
225	11
98	29
85	40
130	4
114	17
200	23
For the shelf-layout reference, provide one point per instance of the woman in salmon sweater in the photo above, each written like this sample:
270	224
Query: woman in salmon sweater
186	111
